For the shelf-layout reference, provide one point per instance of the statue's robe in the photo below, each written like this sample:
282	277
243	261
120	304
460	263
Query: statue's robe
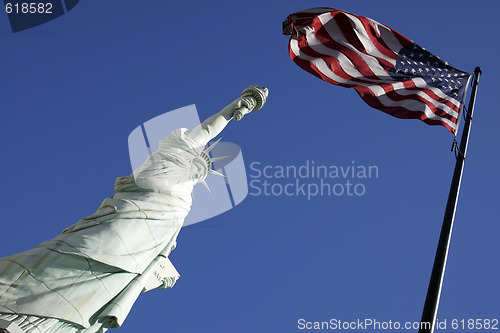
87	278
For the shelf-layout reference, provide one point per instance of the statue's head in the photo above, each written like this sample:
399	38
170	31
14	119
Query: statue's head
200	167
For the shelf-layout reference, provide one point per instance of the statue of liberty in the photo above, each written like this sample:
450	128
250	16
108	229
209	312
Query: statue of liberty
86	279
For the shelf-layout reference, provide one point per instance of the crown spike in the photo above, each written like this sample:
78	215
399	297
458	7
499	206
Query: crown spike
217	173
206	185
212	146
215	159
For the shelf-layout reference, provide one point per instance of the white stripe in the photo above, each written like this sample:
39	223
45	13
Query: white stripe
320	64
419	82
401	90
362	34
344	62
387	36
408	104
336	34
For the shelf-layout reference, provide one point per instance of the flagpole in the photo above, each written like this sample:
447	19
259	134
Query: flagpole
431	304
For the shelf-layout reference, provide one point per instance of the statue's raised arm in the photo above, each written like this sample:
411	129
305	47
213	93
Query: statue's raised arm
252	99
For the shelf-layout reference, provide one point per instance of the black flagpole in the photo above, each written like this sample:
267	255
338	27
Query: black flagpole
431	305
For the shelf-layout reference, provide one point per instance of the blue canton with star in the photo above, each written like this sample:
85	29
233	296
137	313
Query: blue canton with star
414	61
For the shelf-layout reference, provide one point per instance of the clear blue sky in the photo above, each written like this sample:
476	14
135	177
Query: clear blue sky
73	89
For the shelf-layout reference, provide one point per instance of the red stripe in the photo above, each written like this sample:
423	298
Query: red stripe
397	111
402	39
410	85
309	67
347	29
393	95
376	39
321	32
344	23
332	63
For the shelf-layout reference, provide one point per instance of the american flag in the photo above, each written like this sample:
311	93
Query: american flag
389	71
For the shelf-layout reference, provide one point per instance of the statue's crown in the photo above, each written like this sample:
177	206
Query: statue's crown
205	160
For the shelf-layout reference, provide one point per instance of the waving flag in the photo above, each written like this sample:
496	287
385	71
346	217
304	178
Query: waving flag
389	71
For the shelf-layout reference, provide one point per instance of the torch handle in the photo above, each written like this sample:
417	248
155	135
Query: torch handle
238	114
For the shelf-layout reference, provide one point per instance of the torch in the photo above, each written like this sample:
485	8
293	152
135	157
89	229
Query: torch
257	96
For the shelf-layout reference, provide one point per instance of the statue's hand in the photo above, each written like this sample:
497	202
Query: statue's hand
244	105
247	102
241	105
